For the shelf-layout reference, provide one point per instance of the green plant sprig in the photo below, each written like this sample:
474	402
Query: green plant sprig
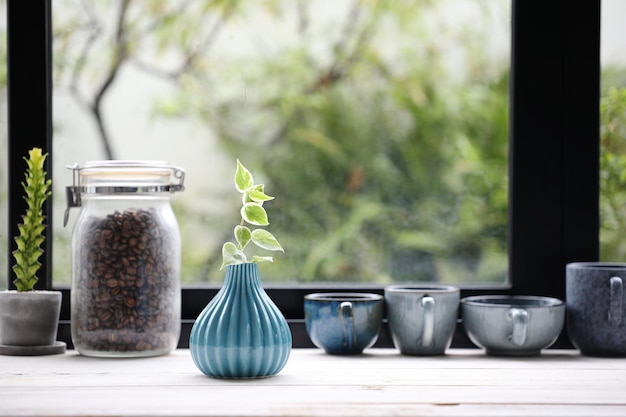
31	230
252	213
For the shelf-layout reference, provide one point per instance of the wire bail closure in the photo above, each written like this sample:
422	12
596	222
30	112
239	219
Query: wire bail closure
73	193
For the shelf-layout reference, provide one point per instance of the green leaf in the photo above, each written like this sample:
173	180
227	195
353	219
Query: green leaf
243	235
259	188
258	196
262	259
38	230
254	214
34	256
19	257
21	245
231	255
264	239
243	178
37	241
32	270
24	227
25	284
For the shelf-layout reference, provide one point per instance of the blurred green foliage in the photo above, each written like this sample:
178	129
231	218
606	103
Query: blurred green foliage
385	170
380	126
613	166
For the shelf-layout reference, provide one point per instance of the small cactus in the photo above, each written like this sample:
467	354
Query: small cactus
31	230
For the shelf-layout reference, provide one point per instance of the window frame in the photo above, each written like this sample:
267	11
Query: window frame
553	162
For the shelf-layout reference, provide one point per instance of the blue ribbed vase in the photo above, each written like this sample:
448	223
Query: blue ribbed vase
240	333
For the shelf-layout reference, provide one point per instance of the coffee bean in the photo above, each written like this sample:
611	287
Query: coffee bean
127	284
129	302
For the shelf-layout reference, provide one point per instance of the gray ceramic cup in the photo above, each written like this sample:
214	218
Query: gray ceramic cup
422	318
343	323
512	325
596	309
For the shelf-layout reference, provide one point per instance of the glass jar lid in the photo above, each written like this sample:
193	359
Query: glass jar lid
116	177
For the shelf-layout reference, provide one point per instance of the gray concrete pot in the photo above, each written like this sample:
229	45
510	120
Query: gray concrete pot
29	322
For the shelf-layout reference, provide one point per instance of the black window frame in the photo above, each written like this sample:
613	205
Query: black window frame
553	166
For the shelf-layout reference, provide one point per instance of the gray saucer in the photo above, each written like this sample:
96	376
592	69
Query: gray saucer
56	348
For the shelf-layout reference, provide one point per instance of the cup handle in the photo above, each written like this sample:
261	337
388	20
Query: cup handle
615	309
520	325
428	304
349	334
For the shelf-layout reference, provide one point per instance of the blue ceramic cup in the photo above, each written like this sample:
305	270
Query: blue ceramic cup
343	323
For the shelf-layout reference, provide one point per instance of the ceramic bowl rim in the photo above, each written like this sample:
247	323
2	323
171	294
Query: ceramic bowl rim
597	265
353	297
488	301
417	288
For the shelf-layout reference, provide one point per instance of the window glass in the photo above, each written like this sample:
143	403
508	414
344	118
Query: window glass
613	132
4	198
380	127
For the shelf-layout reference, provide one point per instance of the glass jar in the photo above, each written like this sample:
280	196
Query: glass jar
126	255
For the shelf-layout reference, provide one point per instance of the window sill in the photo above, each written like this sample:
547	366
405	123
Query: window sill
380	382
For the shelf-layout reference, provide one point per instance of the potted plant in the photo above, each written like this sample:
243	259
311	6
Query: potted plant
241	333
29	318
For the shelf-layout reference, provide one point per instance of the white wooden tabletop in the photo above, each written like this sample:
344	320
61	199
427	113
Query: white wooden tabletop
380	382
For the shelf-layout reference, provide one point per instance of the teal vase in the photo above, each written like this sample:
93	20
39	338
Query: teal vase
240	333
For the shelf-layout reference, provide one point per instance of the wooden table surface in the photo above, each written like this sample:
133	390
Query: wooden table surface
380	382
